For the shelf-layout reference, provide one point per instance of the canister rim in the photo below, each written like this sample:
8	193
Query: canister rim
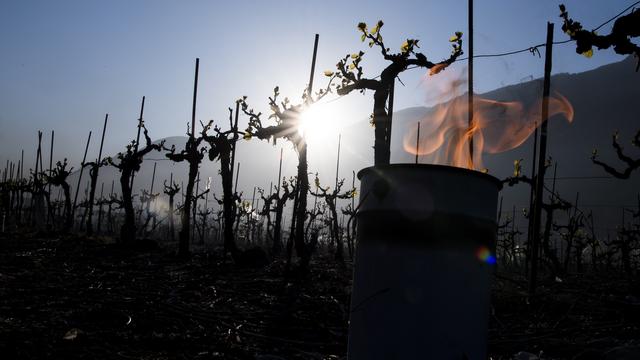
430	167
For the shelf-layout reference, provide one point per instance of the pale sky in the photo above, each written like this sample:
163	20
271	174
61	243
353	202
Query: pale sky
64	64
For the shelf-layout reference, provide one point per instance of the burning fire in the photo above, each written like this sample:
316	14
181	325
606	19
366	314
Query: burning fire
497	127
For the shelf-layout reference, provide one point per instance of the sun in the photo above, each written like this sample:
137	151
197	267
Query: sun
317	123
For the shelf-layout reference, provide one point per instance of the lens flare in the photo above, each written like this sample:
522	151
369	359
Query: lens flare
484	254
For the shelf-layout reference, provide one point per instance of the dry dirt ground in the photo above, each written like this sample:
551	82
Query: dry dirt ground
72	297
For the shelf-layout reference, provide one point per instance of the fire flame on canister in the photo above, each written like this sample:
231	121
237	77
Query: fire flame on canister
497	127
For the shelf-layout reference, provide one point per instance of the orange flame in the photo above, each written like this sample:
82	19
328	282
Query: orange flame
437	68
497	127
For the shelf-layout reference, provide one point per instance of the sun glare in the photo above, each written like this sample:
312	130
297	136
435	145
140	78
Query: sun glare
316	123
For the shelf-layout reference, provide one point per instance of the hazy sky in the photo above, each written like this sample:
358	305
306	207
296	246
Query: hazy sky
64	64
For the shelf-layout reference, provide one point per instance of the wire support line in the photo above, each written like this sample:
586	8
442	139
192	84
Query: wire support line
617	16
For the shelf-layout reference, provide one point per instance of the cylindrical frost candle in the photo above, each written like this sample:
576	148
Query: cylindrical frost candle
426	239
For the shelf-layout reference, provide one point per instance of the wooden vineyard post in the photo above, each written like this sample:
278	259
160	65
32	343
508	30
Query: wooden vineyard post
37	202
94	169
49	209
99	225
194	208
234	128
338	161
194	163
300	209
418	142
539	180
84	158
470	83
140	123
150	199
279	180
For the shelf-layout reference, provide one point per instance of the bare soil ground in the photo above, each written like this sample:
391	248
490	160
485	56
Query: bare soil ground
74	298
